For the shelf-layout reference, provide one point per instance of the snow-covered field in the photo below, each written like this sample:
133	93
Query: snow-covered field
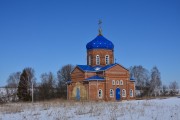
156	109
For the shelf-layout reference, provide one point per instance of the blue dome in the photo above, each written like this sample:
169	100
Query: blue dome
100	42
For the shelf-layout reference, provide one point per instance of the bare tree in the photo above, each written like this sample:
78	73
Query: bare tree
164	90
12	84
141	76
155	82
47	86
31	76
13	79
173	88
64	74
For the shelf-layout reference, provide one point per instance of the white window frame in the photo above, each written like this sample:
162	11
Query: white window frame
97	60
123	93
100	93
121	82
113	82
106	59
131	93
117	82
111	94
89	61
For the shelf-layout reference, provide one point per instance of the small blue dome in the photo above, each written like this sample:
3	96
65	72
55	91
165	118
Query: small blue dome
100	42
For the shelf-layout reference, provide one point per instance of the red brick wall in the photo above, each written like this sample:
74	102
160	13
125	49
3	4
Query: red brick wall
89	74
132	86
102	53
115	73
77	75
94	87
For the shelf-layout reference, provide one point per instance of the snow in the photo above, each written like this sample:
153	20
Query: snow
2	92
155	109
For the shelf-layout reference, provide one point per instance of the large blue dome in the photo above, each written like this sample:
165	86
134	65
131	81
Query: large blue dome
100	42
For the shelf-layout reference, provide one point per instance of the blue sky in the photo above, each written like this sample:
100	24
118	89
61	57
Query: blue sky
46	35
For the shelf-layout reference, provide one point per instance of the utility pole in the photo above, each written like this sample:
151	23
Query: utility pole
32	92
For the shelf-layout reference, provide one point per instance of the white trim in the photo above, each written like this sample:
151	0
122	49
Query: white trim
131	93
113	82
121	82
101	93
117	82
123	93
97	60
106	59
111	93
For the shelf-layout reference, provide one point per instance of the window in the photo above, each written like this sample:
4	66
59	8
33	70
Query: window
117	82
113	82
131	93
123	93
121	82
107	59
89	60
100	93
97	60
111	93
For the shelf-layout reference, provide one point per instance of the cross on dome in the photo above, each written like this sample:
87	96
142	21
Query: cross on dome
100	29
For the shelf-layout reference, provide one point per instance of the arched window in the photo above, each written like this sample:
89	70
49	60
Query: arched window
111	93
113	82
123	93
89	60
97	60
100	94
131	93
107	59
117	82
121	82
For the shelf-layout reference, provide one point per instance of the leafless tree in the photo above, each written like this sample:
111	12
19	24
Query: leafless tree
63	75
164	90
13	79
47	86
12	84
173	88
141	76
155	82
31	76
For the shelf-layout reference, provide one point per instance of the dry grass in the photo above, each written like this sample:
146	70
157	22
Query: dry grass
65	110
9	108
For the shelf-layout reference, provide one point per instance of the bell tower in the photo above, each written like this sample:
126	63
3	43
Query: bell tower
100	51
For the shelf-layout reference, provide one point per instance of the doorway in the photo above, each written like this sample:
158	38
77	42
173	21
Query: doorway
118	95
77	94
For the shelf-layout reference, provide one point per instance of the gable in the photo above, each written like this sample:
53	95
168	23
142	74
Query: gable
117	70
76	69
77	75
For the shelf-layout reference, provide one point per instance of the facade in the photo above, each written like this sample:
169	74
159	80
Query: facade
101	78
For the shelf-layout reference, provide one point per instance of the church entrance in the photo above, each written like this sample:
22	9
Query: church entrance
77	94
118	94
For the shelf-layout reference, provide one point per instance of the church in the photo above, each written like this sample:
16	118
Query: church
102	78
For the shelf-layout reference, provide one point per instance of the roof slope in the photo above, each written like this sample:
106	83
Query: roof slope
87	68
96	77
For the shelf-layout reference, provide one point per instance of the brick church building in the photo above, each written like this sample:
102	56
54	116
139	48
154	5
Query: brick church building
101	78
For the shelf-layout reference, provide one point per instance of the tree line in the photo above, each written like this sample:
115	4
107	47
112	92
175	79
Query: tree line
19	84
150	83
